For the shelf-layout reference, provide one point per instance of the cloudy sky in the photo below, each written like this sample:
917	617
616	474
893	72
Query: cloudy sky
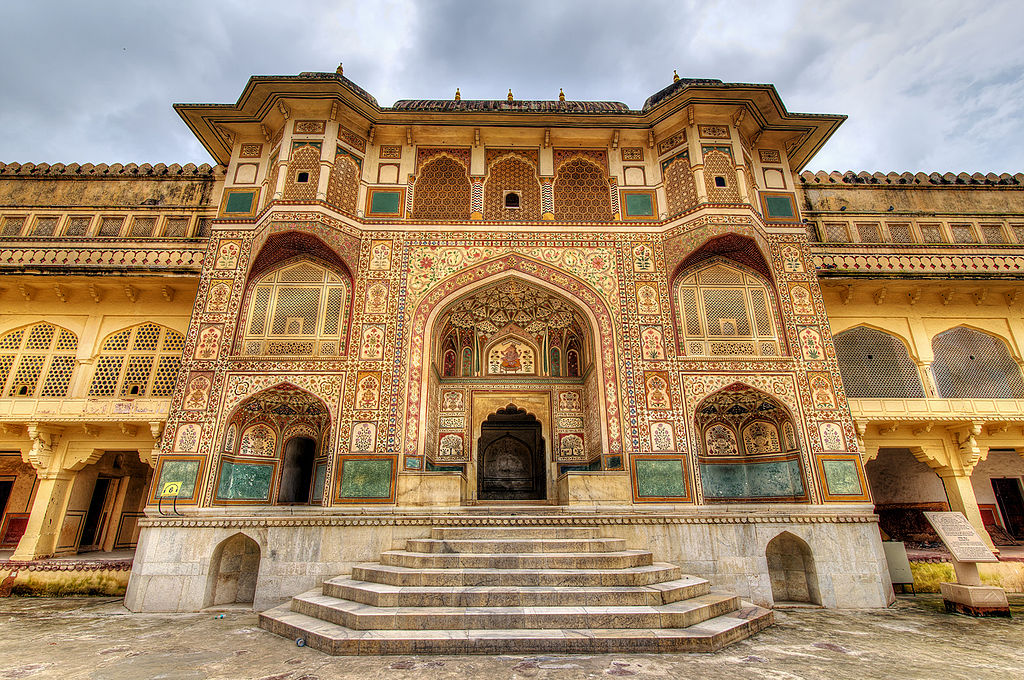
932	86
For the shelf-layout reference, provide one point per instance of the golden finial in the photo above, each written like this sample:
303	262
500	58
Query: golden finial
340	70
458	95
561	95
510	94
675	76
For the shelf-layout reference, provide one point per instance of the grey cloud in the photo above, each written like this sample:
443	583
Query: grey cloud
927	85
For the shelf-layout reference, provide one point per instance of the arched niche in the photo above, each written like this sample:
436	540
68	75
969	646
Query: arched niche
791	570
234	571
275	449
748	448
876	364
971	364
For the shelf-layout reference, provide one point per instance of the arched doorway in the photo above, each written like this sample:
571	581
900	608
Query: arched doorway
513	340
297	470
511	457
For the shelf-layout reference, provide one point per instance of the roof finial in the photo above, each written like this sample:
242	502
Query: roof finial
341	69
561	95
458	95
675	76
510	94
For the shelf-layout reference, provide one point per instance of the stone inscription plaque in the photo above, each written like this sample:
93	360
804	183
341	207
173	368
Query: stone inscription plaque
960	537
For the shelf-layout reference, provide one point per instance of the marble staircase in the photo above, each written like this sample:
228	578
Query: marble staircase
494	590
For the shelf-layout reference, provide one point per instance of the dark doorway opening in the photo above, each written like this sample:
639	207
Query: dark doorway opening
95	517
6	486
297	472
511	457
1011	504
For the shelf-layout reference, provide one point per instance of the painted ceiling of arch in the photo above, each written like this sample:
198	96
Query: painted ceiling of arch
285	401
513	303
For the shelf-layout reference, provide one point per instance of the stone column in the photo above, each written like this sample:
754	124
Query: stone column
46	517
960	494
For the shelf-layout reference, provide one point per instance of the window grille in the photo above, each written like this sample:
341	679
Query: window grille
963	233
869	233
111	226
725	312
141	361
176	227
45	226
970	364
78	226
1018	232
876	365
142	227
296	310
900	233
12	226
37	361
993	233
931	233
837	232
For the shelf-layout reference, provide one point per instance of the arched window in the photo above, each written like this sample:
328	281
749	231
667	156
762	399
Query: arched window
37	361
512	191
970	364
876	365
141	361
441	191
581	192
726	311
296	310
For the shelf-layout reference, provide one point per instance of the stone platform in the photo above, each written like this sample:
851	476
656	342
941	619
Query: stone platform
487	590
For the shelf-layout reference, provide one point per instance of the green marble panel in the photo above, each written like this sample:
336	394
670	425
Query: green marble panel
639	205
842	478
369	478
385	202
184	471
779	206
660	478
770	479
245	481
240	202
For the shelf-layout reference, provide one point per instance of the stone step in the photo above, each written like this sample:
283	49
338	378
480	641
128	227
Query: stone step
507	532
384	595
619	559
397	575
359	616
515	545
707	636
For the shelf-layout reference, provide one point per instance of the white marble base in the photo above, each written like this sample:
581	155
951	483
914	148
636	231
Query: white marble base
975	600
302	547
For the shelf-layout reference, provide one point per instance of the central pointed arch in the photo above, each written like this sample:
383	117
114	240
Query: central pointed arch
582	297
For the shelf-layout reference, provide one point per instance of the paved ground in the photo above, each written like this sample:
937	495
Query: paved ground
97	638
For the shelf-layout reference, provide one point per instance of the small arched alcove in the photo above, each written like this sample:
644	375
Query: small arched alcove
234	570
297	470
791	570
511	463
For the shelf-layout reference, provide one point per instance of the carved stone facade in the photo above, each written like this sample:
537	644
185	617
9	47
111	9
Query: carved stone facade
356	306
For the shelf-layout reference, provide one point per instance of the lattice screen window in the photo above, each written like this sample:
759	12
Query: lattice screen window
993	233
297	310
141	361
176	227
37	361
1018	232
110	226
12	226
726	312
142	227
869	232
77	226
931	233
970	364
963	233
876	365
900	233
837	232
45	226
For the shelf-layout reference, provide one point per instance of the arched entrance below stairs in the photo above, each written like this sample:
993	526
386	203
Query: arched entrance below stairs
512	457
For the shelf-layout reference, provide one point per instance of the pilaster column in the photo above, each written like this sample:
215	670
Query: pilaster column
46	517
928	379
960	494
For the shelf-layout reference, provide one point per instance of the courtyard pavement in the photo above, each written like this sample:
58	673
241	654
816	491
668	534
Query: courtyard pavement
98	638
